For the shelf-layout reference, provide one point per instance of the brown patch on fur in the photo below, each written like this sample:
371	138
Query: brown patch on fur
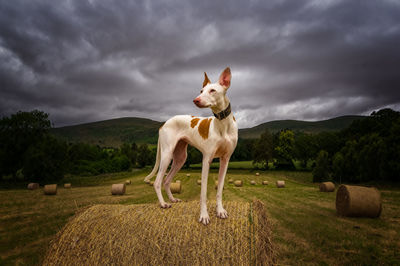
161	127
204	127
234	119
194	122
206	80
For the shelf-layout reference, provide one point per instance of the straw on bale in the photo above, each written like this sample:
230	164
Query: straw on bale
238	183
327	187
356	201
118	189
280	184
198	181
33	186
128	182
67	185
257	174
265	182
252	182
145	234
50	189
230	181
176	187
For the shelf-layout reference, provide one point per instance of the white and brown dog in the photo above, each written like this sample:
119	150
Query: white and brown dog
215	137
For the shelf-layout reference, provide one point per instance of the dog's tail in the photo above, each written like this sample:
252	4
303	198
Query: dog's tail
157	164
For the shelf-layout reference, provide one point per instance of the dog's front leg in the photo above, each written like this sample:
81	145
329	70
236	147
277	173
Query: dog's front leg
204	217
223	166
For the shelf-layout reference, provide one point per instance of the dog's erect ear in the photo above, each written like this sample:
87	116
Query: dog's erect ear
206	80
225	78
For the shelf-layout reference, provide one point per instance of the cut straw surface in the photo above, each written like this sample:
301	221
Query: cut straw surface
148	235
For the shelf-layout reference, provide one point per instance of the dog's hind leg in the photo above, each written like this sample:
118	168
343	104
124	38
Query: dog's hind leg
165	160
179	158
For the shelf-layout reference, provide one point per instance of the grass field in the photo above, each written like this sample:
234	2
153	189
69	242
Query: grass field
305	227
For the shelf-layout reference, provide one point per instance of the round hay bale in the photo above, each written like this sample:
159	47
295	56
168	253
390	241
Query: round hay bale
265	182
145	234
176	188
230	181
280	184
198	181
356	201
327	187
128	182
151	183
118	189
33	186
67	185
216	185
50	189
257	174
252	182
238	183
188	175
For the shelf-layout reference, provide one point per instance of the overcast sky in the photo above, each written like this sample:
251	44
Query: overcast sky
83	61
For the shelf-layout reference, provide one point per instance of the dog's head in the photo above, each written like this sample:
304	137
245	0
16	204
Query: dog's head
213	94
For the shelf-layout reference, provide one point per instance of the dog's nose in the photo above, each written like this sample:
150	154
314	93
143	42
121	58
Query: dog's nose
196	101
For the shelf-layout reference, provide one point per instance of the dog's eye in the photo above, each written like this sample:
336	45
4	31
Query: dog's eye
212	91
201	91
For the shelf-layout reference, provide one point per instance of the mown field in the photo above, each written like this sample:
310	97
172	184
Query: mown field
305	227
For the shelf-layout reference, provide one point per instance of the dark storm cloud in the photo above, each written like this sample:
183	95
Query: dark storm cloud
83	61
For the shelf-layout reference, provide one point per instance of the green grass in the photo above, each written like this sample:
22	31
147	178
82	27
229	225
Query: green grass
305	227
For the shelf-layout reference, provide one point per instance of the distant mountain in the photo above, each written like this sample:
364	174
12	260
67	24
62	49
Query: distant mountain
114	132
111	133
334	124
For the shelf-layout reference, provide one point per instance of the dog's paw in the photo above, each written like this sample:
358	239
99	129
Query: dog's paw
222	213
205	219
165	205
175	200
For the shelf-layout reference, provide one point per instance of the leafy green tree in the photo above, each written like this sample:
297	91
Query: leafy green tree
321	170
130	151
45	160
144	155
338	165
263	149
304	148
17	133
284	150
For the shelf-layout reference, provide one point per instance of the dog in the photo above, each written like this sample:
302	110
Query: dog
214	137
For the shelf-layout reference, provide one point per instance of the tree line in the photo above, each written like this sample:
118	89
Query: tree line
367	150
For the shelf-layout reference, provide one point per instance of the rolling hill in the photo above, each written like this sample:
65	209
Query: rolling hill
114	132
334	124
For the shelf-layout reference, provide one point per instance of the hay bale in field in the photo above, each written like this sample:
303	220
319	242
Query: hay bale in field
176	187
33	186
356	201
50	189
188	175
230	181
238	183
257	174
327	187
145	234
198	181
252	182
128	182
67	185
118	189
265	182
216	185
151	183
280	184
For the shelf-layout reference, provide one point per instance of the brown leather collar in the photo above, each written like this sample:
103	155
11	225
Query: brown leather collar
223	114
